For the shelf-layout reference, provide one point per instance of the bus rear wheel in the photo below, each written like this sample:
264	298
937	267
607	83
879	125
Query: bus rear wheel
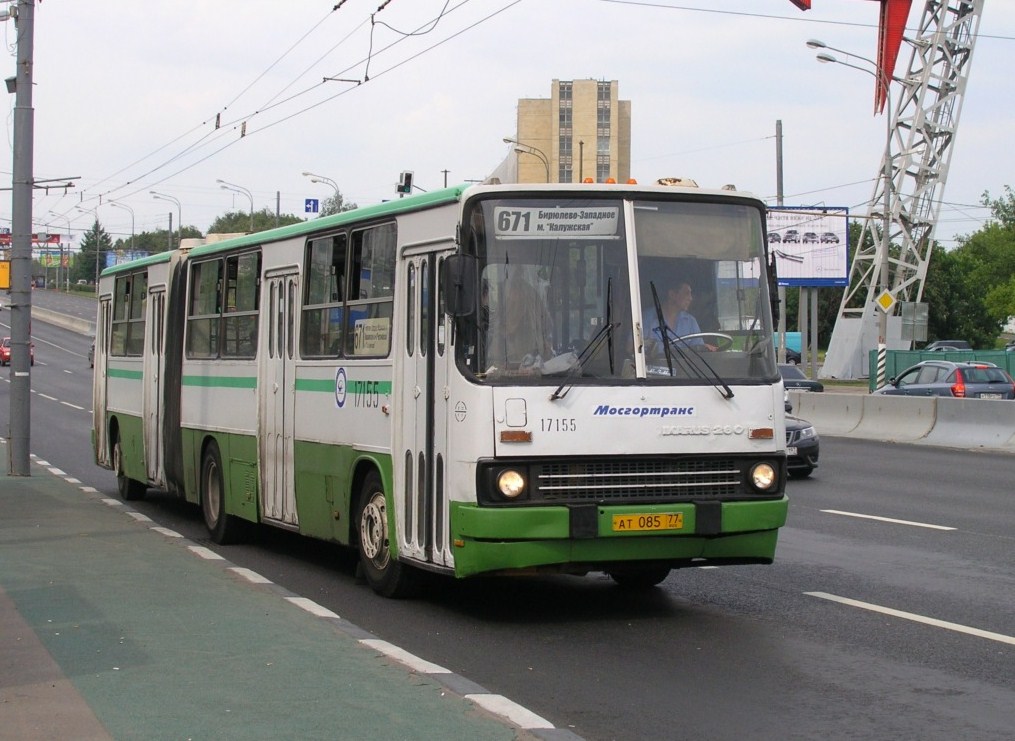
640	577
383	572
128	489
222	527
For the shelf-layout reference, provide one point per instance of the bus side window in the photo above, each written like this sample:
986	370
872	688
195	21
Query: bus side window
371	292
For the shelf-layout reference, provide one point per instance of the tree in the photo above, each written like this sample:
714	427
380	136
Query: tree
95	244
238	222
335	205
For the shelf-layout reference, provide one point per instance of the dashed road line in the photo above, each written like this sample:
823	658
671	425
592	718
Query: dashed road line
887	519
957	627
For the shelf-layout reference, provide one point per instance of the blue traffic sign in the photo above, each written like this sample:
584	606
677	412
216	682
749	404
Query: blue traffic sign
311	206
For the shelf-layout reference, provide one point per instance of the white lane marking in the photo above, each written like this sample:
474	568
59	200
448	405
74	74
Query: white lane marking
887	519
72	480
139	517
167	532
72	406
56	472
958	628
252	576
511	710
401	655
112	502
47	396
206	553
312	607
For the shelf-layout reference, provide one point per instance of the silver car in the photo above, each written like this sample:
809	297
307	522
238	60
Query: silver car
972	380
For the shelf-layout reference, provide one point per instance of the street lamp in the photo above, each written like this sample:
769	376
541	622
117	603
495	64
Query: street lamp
125	207
95	213
882	79
523	148
240	189
66	277
179	213
322	179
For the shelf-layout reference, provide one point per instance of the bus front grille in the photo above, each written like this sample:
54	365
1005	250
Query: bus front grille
643	480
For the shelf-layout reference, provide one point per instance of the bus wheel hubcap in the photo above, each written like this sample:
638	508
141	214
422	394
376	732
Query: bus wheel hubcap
373	531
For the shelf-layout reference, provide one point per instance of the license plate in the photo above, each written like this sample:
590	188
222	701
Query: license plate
990	396
642	523
790	451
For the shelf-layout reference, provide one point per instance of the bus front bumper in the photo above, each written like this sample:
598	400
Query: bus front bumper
577	539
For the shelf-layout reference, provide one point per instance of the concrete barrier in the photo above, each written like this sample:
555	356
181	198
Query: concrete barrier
924	420
899	418
81	326
831	414
973	423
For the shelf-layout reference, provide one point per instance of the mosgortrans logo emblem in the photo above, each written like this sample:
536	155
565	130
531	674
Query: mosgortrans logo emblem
605	410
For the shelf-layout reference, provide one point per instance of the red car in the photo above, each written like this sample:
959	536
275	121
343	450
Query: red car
5	352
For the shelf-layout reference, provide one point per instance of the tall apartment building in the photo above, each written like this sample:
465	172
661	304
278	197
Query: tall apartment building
583	131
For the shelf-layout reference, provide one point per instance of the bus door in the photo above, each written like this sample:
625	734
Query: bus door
153	368
423	423
276	385
100	396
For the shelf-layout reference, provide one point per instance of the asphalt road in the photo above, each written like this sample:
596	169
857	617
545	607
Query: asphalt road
890	612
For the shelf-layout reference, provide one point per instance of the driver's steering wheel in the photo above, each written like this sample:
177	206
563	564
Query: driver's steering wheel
725	342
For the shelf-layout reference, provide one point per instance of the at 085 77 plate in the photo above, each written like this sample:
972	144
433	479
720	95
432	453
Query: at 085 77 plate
644	522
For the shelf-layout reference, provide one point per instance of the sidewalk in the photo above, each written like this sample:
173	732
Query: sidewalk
110	630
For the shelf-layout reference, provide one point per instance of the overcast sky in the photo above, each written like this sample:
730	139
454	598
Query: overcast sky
127	93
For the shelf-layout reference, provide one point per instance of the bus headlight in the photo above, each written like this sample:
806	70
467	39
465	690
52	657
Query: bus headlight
763	476
511	483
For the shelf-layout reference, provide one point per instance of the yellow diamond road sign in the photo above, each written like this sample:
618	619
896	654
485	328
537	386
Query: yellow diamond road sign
886	301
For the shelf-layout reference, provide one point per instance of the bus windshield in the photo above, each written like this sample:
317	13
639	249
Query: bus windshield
593	290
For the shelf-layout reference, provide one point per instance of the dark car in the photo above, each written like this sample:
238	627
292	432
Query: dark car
802	446
774	237
792	356
5	352
973	380
794	378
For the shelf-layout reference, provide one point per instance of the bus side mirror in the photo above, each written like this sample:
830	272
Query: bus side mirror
459	277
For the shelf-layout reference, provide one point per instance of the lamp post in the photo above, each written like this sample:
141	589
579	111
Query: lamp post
66	277
240	189
125	207
179	213
882	79
522	148
95	213
322	179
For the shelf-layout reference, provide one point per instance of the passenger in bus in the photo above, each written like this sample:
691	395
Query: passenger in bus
678	319
519	336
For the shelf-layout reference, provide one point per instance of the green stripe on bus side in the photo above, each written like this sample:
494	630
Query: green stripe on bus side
228	382
327	385
133	375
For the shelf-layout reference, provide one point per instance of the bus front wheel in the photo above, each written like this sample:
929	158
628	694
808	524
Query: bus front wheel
223	527
128	489
383	572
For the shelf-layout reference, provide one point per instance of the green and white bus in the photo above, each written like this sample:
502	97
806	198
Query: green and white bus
468	381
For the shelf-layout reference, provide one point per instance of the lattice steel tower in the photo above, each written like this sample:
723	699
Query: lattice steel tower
914	169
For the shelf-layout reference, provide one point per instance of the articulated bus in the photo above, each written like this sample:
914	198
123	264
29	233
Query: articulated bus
479	380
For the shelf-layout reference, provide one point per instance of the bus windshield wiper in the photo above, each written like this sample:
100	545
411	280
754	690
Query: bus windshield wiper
589	351
685	351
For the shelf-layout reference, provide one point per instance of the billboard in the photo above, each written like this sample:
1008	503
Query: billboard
810	245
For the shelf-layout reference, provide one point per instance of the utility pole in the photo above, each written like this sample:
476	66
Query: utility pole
18	463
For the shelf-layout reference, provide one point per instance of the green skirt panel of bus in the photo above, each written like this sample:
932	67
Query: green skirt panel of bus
238	453
497	539
127	428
